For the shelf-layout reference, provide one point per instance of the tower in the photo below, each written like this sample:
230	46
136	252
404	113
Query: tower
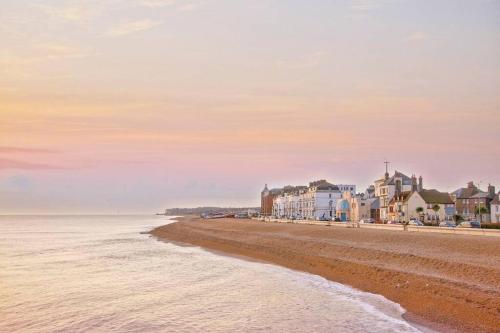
386	170
264	209
420	183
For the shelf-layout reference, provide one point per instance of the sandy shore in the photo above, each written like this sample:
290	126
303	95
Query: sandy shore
448	282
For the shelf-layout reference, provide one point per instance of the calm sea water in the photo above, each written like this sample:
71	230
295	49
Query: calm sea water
100	274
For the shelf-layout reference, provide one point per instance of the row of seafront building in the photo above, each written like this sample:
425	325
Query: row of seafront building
391	198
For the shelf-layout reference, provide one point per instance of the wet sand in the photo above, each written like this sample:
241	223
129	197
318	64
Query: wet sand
446	282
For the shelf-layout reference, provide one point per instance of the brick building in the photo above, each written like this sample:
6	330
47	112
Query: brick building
266	200
469	199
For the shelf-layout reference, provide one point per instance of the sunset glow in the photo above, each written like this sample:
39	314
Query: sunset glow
134	106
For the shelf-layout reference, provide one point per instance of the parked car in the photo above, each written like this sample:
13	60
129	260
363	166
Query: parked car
447	224
337	219
370	220
393	222
415	222
470	224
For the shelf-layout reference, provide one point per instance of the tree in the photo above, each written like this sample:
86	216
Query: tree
420	211
458	218
480	211
436	209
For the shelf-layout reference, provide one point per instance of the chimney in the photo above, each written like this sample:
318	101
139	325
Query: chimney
420	183
491	190
470	185
398	188
414	186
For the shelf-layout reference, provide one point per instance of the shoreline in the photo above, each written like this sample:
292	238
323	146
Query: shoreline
416	271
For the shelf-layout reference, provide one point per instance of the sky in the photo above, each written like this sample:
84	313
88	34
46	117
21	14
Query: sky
133	106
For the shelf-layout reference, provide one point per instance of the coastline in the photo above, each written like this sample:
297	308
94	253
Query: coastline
445	282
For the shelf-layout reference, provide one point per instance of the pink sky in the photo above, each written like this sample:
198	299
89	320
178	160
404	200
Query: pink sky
139	105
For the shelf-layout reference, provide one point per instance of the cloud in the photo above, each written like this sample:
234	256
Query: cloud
18	62
417	36
73	14
182	6
361	9
6	164
189	7
132	27
309	61
14	164
15	150
60	51
19	182
157	3
364	5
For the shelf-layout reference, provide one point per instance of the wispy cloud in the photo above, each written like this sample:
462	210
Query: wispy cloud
189	7
309	61
73	13
60	51
360	9
417	36
23	150
179	5
132	27
17	59
157	3
6	163
364	5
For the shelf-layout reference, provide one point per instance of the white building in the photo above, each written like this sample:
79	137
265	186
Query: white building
314	202
387	187
495	209
403	207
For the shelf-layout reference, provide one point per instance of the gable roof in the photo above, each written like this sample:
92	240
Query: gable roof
465	192
435	197
374	203
323	185
404	179
482	194
404	196
276	190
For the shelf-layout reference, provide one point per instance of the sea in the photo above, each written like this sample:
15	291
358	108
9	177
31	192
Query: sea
106	274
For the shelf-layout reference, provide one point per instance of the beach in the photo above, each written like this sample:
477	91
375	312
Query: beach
445	282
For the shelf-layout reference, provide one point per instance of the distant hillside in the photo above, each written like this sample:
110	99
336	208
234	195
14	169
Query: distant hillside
199	210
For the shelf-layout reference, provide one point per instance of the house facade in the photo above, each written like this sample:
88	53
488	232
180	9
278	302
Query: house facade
266	200
314	202
469	200
386	188
403	207
429	200
360	207
495	209
397	208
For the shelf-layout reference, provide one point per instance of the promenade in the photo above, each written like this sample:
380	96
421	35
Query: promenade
393	227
